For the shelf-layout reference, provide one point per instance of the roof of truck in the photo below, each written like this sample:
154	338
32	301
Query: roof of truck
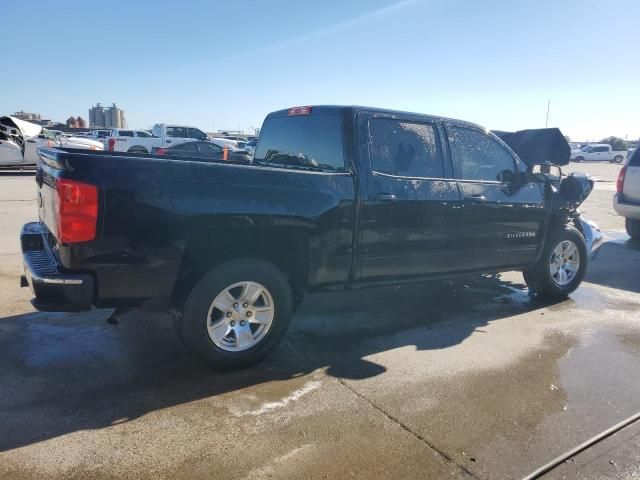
354	109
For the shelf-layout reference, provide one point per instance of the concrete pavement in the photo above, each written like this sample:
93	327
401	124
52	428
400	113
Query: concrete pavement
466	379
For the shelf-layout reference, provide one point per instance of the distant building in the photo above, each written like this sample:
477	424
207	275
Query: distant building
33	118
81	123
28	117
72	122
106	117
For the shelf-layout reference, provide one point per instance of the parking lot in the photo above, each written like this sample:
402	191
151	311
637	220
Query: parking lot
470	378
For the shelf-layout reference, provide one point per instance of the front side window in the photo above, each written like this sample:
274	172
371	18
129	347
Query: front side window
406	149
305	140
198	134
177	132
479	157
141	133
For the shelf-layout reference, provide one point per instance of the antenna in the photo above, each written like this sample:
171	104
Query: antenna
546	123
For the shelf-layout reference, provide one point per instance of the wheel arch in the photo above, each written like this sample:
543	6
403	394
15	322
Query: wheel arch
138	148
284	247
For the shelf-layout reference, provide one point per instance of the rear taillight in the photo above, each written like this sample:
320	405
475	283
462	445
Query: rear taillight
620	181
77	211
161	151
112	144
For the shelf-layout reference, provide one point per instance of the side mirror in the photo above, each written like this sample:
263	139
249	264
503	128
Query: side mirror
507	176
548	171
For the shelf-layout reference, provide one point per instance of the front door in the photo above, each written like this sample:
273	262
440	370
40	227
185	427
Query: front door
503	220
411	205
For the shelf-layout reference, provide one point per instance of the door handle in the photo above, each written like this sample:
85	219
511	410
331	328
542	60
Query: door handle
476	198
385	197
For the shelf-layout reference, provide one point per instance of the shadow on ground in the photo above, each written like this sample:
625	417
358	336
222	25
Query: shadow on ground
62	373
616	259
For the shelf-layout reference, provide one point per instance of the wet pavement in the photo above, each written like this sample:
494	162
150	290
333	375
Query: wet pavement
465	379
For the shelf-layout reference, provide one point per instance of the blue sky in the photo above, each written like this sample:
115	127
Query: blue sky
224	65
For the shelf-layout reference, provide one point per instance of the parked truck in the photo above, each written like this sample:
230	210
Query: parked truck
599	152
139	141
336	198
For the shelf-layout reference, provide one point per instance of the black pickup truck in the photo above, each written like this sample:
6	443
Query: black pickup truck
335	198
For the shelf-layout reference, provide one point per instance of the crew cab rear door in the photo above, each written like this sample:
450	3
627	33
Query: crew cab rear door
503	220
411	207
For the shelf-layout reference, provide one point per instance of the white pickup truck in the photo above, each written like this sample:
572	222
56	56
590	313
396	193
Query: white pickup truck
19	141
139	141
598	152
164	135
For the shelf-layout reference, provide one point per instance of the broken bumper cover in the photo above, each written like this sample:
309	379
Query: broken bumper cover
593	236
54	289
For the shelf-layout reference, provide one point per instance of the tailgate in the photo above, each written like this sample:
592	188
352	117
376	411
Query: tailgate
46	174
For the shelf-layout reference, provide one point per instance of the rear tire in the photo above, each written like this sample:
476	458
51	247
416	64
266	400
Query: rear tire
579	159
633	228
617	159
552	276
202	325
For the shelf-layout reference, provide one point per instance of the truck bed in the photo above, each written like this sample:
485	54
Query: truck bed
160	217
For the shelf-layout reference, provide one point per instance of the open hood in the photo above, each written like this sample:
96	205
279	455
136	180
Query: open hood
25	129
538	146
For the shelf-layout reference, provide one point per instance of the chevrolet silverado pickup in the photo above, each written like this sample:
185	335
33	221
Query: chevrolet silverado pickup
335	198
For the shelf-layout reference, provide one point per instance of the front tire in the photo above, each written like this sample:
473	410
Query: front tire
562	266
237	314
579	159
633	228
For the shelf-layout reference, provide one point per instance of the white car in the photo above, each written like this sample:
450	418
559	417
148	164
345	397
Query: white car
626	201
19	141
598	152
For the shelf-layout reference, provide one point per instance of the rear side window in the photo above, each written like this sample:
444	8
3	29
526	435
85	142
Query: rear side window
479	156
177	132
125	133
313	141
634	158
407	149
140	133
210	149
186	147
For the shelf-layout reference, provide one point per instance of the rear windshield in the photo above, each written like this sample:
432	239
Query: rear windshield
305	141
634	159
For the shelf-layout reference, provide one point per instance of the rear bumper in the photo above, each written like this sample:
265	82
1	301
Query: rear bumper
54	289
625	209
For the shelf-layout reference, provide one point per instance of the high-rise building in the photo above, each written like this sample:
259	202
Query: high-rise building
107	117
